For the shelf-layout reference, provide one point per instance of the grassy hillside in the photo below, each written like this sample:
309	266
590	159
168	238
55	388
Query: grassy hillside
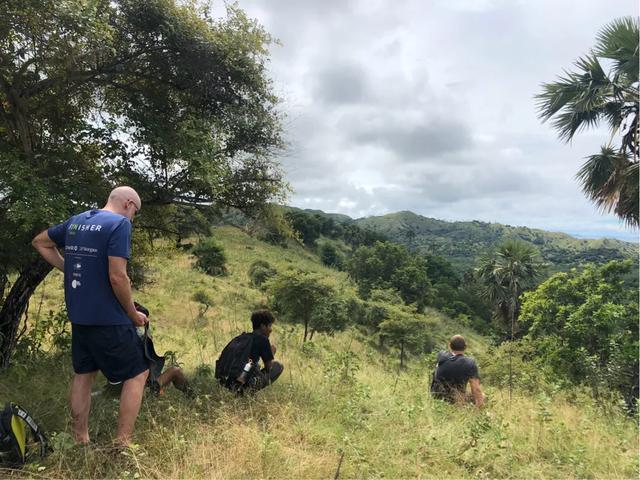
338	397
462	242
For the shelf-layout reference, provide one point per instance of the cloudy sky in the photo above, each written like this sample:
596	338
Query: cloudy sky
427	105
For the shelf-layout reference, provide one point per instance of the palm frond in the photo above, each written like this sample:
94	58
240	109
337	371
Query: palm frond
557	95
596	172
583	98
614	114
577	99
570	122
618	41
628	206
610	180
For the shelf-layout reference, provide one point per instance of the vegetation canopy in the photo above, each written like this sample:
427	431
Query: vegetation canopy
154	94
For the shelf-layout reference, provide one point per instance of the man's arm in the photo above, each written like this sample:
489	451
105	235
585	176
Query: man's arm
267	355
48	249
476	391
122	288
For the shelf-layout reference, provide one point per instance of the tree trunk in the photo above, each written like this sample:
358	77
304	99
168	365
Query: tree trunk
311	334
3	284
16	304
306	329
512	314
402	354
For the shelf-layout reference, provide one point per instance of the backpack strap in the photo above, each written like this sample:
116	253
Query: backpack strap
434	380
155	361
35	429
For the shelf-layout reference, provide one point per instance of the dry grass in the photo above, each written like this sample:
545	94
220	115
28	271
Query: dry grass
382	420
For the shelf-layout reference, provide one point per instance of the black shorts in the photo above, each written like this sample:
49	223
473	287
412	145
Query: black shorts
115	350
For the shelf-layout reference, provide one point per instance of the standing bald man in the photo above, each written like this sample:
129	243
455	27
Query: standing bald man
97	290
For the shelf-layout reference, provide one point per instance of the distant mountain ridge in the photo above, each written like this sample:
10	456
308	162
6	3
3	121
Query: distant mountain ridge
463	242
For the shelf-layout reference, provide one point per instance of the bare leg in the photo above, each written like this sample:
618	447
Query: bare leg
176	376
80	403
130	400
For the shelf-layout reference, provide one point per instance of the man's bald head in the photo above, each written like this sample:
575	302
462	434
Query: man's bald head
125	201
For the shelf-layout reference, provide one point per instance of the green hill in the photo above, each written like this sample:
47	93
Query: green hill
462	242
338	397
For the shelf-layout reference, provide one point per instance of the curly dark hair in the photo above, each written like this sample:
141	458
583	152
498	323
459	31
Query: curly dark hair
261	317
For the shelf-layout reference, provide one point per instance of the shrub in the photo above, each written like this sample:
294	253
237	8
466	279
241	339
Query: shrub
52	333
204	302
210	256
330	256
259	272
272	227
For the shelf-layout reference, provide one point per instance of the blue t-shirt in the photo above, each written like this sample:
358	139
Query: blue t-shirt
89	239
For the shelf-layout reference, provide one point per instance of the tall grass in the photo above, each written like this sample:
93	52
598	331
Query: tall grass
338	396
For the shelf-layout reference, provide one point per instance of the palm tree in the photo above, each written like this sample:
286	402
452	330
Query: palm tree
506	275
583	99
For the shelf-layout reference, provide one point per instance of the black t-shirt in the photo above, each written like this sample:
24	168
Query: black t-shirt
261	348
454	371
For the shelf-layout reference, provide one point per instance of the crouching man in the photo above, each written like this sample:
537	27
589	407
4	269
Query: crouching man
238	367
453	372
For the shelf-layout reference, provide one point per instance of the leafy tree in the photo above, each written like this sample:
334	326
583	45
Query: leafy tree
154	94
176	221
473	293
299	297
386	295
389	265
308	226
374	266
590	96
413	284
356	236
330	315
210	256
272	227
375	312
506	275
406	332
440	270
584	324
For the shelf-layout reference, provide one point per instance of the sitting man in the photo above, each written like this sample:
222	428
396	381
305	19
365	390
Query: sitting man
157	379
172	375
453	372
238	366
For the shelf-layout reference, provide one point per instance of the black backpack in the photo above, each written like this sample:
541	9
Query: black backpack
438	390
15	424
233	359
155	361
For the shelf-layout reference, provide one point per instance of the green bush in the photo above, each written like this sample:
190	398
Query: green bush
330	256
531	374
49	334
211	258
259	272
204	301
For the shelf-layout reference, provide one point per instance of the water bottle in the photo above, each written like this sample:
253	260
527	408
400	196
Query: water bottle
245	372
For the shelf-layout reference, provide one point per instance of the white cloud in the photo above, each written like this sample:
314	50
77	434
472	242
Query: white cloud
428	106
